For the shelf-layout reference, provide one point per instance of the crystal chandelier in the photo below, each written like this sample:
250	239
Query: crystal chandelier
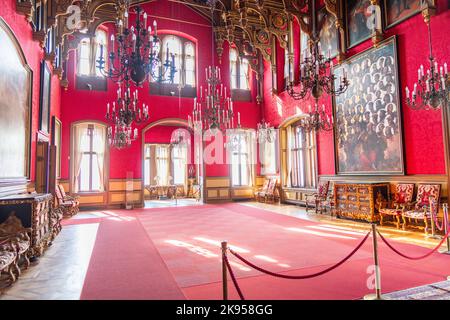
135	51
214	109
127	109
316	74
265	132
432	89
316	120
120	136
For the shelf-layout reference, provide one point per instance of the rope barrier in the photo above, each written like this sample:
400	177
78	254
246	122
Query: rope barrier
436	220
409	257
304	276
233	278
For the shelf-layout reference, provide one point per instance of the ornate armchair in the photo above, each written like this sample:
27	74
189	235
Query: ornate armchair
402	200
427	195
319	197
329	204
261	192
13	231
153	192
68	204
8	258
272	194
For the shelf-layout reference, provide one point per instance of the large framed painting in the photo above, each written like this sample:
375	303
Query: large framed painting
328	33
44	102
359	15
395	11
15	109
368	134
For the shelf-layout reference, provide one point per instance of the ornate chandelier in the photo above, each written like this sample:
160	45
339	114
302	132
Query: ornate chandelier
214	109
120	136
316	120
135	51
431	91
316	74
127	109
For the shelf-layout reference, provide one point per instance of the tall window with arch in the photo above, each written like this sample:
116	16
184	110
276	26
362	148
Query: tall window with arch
240	77
89	52
184	52
88	157
239	71
302	158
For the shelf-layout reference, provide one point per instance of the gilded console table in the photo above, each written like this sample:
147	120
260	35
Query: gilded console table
358	200
34	212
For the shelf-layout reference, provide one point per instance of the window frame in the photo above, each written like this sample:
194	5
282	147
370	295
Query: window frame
296	150
105	157
172	89
250	156
239	94
92	80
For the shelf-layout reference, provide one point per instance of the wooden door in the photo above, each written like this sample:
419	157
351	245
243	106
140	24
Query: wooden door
42	166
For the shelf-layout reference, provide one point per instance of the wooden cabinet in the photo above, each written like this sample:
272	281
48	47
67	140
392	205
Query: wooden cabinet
358	200
34	212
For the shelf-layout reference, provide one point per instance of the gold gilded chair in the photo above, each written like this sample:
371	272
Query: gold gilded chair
427	199
319	196
402	200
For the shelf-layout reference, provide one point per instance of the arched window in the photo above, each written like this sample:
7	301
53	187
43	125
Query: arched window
239	70
101	40
89	53
189	51
184	52
88	157
84	64
172	44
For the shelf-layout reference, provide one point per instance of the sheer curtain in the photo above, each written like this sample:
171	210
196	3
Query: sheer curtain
80	141
162	167
98	147
93	56
179	161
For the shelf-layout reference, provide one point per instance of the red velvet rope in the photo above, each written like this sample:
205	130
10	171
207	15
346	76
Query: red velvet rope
409	257
236	285
304	276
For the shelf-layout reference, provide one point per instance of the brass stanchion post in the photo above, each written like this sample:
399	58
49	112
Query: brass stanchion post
432	217
224	271
377	295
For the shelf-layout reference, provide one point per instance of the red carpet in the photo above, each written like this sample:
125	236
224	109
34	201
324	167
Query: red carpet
184	253
126	265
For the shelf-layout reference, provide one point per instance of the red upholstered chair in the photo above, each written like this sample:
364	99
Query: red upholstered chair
273	194
427	199
402	200
318	197
260	193
68	204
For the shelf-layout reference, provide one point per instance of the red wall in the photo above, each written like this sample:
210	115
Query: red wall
91	105
422	130
34	55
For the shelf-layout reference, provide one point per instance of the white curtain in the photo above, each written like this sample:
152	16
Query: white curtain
80	141
179	164
98	147
289	156
162	165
